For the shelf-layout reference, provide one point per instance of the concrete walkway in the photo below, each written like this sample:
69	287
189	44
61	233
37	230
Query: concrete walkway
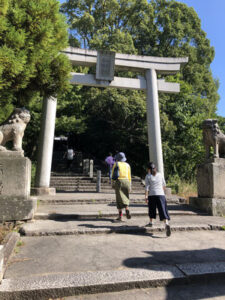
72	249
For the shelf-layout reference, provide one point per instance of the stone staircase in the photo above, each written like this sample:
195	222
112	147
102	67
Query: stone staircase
64	182
73	247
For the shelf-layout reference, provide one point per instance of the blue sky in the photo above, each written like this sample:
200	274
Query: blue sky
212	16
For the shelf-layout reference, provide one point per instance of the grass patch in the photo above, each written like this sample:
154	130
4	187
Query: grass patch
33	172
183	188
18	245
5	228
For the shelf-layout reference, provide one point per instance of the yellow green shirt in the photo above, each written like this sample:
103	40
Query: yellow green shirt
124	170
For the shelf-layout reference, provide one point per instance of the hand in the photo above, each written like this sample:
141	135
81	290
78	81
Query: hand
146	200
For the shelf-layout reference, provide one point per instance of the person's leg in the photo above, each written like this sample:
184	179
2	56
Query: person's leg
151	209
125	185
167	227
110	174
118	201
69	163
163	213
120	214
128	215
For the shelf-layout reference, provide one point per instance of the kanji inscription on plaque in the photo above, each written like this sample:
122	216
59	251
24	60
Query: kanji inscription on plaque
105	65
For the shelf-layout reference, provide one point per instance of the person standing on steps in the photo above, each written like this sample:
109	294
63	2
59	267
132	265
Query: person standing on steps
69	156
155	197
110	162
121	181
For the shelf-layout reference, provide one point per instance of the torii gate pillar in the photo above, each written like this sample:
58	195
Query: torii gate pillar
153	120
45	148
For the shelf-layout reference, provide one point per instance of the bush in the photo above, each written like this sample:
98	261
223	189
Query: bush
183	188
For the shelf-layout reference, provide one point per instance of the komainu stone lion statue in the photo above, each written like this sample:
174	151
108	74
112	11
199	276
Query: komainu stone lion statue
13	129
213	137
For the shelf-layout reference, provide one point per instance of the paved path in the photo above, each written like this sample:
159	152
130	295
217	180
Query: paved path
63	254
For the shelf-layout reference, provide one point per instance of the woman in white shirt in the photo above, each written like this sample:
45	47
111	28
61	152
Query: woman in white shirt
155	197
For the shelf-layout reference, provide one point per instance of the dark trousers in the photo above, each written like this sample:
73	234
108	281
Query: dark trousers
160	203
69	163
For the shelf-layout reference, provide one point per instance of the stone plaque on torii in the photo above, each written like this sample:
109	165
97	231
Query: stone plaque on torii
105	63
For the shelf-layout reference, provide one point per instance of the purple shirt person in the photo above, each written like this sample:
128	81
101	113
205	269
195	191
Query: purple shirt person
110	162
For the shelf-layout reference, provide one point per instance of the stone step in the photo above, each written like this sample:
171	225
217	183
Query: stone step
135	198
71	187
84	183
52	286
107	200
108	208
99	198
90	189
50	267
89	223
91	183
87	178
101	214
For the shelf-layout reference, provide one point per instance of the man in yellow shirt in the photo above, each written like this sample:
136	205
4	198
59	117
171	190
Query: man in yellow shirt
122	184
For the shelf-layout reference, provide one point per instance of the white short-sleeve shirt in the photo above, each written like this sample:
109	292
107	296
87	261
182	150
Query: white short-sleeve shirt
70	154
154	184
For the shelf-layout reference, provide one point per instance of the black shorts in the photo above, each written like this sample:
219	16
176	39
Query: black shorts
160	203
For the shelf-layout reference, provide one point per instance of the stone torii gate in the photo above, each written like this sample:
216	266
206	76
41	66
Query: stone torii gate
149	65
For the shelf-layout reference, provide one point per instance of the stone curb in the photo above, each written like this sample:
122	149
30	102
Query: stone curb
71	284
6	250
118	229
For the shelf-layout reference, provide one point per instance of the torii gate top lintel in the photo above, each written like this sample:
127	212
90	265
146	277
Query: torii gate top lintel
163	65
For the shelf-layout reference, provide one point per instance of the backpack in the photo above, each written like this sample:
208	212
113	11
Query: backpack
116	172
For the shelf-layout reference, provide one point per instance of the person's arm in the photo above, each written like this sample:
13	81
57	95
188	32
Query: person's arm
113	170
146	196
129	173
146	189
64	154
164	184
129	176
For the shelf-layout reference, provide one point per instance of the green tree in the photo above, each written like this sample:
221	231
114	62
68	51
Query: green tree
156	28
32	34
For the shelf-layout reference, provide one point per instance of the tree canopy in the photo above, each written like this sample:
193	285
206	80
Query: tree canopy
115	119
32	33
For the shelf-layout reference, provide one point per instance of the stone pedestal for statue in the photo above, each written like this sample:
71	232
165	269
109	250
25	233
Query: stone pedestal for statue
15	180
211	187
